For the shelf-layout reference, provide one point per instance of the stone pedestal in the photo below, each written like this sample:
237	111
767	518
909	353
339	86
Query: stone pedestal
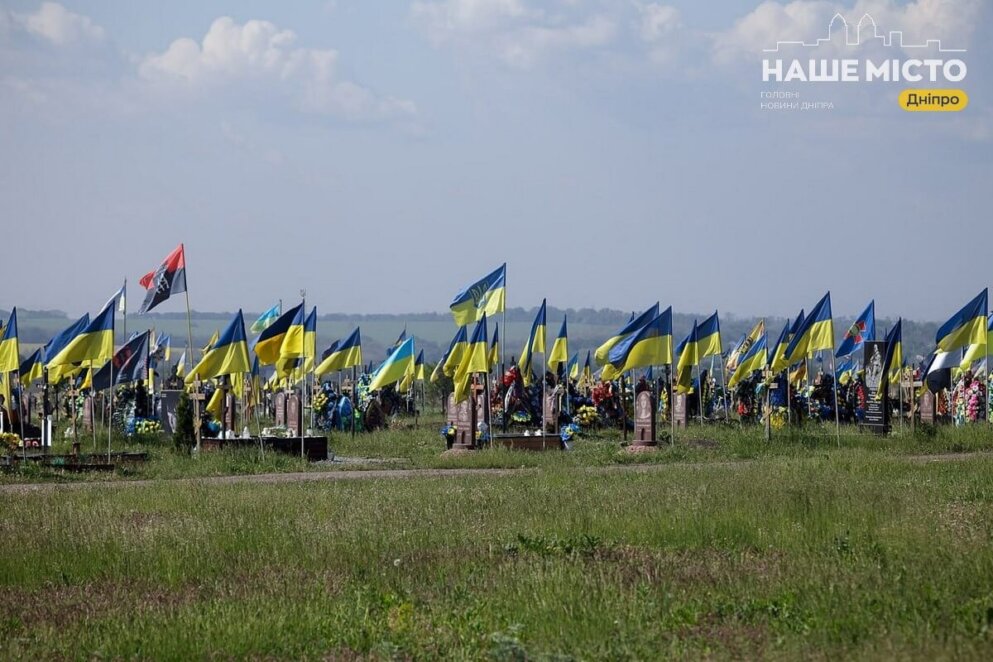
679	410
644	420
927	408
279	402
294	414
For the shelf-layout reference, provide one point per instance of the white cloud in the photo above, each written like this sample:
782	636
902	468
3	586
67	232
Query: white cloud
60	26
808	20
259	58
514	33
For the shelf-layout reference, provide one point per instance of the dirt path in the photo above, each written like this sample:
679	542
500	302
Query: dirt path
406	474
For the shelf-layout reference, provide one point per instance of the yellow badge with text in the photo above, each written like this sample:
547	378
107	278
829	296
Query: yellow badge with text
933	101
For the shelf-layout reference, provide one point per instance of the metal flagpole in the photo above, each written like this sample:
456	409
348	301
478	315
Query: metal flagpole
355	403
303	385
672	404
110	423
837	417
93	418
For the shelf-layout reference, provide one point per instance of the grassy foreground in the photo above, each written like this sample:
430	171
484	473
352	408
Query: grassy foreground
853	553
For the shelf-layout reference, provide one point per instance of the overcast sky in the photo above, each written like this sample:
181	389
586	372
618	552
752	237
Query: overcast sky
384	154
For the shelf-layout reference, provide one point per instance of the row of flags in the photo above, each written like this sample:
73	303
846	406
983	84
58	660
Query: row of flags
287	341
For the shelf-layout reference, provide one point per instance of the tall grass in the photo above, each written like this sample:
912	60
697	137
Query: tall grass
850	554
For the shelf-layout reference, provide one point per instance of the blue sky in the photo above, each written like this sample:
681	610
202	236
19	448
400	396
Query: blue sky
382	155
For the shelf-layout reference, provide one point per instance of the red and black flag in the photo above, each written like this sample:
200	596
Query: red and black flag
130	364
168	279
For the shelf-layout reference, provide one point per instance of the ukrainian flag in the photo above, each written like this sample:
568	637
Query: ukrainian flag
32	368
10	359
342	354
756	359
460	337
93	343
181	364
816	332
573	366
293	345
486	296
587	369
649	345
744	345
967	327
474	360
634	324
310	340
560	348
894	352
415	373
977	351
708	334
265	319
495	346
228	356
270	341
778	361
455	352
535	343
688	353
393	369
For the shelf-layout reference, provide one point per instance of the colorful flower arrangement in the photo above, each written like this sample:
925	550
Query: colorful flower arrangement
968	398
567	432
520	417
664	404
587	416
448	433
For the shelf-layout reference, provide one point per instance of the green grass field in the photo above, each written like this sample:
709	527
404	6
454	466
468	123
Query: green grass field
737	548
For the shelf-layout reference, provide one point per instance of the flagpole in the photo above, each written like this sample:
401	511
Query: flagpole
20	406
110	422
672	400
303	386
503	357
724	387
834	381
93	418
354	401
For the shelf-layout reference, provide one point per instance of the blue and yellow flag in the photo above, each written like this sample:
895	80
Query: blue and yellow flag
265	320
486	296
816	332
977	351
293	346
455	353
473	360
342	354
708	337
32	367
394	367
777	359
414	374
270	342
756	359
864	328
94	343
461	336
572	368
560	348
634	324
649	345
743	345
535	343
966	327
495	346
894	352
310	340
228	356
587	375
688	357
10	358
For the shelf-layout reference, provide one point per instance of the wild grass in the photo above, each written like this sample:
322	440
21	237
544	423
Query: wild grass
854	554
